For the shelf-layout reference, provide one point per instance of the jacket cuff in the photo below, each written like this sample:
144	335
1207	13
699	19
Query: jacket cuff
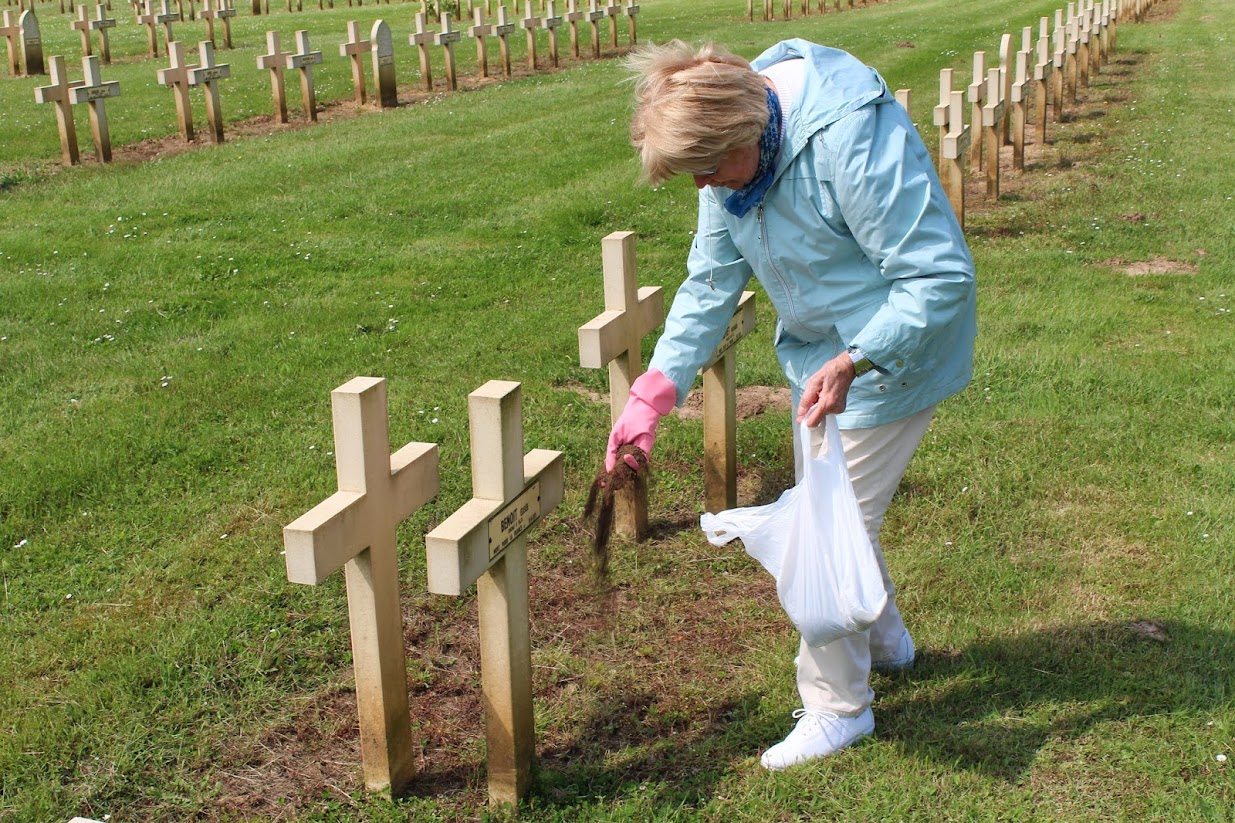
658	391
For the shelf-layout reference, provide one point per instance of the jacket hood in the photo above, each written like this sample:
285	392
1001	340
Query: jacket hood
838	84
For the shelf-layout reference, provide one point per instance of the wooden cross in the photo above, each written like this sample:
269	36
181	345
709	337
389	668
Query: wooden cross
275	59
632	8
954	150
31	43
101	23
530	22
58	93
992	118
303	61
1072	44
573	16
165	18
502	30
94	92
1041	77
977	98
10	31
225	12
550	24
383	57
354	50
1082	48
82	26
480	31
1006	71
905	98
614	338
148	20
209	14
594	16
1058	64
446	38
176	77
421	39
720	416
485	542
207	74
1018	100
613	10
355	528
940	114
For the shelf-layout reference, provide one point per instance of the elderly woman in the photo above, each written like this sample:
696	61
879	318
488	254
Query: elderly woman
813	179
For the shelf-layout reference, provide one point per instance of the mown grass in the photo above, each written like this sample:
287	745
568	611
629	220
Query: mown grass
172	330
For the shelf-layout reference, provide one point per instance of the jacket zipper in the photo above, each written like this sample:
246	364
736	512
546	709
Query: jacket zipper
767	253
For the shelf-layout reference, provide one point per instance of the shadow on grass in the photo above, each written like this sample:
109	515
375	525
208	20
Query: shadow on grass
988	708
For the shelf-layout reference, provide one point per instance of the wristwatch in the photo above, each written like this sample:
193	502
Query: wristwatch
861	364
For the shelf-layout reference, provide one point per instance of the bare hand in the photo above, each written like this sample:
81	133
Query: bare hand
827	390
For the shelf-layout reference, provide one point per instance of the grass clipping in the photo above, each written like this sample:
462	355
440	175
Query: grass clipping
601	500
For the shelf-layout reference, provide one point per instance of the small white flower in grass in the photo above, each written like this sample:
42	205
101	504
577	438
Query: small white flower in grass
68	597
1221	758
311	448
21	543
223	536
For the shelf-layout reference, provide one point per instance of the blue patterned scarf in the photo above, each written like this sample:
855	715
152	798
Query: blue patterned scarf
746	198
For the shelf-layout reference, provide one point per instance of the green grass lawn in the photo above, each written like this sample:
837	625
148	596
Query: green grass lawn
171	327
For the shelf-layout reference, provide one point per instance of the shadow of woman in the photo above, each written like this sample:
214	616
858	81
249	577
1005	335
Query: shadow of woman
992	707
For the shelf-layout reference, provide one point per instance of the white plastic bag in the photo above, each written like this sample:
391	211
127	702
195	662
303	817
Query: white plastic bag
814	544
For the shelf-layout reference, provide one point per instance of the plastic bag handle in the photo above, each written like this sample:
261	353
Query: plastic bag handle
832	443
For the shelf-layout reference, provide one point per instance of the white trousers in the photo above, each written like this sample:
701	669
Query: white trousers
836	677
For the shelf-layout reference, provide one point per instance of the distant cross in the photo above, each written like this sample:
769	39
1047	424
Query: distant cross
992	118
10	31
31	43
422	38
82	26
1072	44
613	10
58	94
503	30
573	16
225	12
148	20
207	75
614	339
303	61
480	31
1041	77
446	38
94	93
275	59
354	49
165	18
977	98
1020	88
1006	73
720	416
383	57
550	24
940	114
209	14
594	16
632	8
176	77
101	23
530	22
1082	48
1058	61
485	542
904	97
954	149
356	528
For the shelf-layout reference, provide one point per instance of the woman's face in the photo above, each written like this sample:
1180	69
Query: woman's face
735	170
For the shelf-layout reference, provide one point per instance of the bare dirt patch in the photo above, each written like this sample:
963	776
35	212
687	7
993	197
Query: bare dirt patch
1154	265
752	401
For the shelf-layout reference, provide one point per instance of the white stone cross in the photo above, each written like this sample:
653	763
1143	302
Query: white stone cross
355	528
977	98
992	118
1019	101
1041	77
954	149
176	77
446	38
101	23
148	20
550	24
614	339
209	14
82	26
275	59
480	31
303	61
225	12
422	38
530	22
383	58
720	416
1006	75
94	92
939	114
207	74
354	49
58	93
485	542
165	18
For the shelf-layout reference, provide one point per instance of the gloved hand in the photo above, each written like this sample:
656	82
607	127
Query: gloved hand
652	396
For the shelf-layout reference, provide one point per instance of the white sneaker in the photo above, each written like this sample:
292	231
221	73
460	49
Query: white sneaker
900	659
818	734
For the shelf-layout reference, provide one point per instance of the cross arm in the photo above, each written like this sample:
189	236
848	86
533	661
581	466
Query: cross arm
317	542
603	338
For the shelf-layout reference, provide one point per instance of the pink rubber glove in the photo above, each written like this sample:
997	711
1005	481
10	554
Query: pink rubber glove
652	396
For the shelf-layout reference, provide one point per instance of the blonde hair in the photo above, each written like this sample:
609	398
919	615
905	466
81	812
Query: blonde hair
692	107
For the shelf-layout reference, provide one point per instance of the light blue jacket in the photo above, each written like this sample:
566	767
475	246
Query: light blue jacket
855	244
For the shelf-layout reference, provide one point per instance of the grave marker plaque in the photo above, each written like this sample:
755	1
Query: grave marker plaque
274	60
485	542
355	528
94	93
57	93
207	74
303	61
613	338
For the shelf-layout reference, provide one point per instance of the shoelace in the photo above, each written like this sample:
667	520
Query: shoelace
819	715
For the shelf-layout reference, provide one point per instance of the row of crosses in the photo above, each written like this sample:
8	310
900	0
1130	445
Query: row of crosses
485	541
769	7
164	16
